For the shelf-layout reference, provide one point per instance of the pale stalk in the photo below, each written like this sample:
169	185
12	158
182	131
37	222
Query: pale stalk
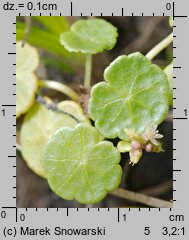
159	47
88	67
59	87
141	198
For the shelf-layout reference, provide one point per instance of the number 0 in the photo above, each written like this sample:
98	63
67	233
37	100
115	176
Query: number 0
30	5
3	214
22	217
168	6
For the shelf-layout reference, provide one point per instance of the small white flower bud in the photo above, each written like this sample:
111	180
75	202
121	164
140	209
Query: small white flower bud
136	145
149	147
135	156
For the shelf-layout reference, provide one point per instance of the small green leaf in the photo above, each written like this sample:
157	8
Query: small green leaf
90	36
124	146
38	126
169	72
80	166
27	60
134	96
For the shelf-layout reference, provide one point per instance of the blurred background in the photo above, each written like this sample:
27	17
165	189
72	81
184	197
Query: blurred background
153	174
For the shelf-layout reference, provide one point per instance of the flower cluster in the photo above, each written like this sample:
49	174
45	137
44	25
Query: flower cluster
147	141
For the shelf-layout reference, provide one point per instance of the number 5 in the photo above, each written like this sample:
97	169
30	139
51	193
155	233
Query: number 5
147	231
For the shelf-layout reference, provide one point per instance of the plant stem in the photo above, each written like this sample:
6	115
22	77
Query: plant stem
88	66
160	46
141	198
158	190
59	87
53	107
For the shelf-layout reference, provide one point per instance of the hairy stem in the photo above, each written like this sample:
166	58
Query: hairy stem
141	198
88	66
159	47
59	87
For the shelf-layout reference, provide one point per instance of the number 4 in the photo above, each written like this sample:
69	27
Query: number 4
147	231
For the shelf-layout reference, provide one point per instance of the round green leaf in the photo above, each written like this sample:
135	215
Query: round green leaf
134	96
80	166
27	60
169	72
38	126
89	36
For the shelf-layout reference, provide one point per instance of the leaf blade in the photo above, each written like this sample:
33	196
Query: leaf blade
27	60
93	169
89	36
135	96
38	126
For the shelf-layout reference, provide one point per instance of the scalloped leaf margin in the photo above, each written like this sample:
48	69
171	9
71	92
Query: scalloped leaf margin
90	36
134	96
38	126
27	60
79	165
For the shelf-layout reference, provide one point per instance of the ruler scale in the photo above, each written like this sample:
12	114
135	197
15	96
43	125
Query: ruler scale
104	223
